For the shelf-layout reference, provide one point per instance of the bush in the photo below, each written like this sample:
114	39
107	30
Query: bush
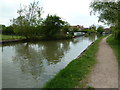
8	30
100	29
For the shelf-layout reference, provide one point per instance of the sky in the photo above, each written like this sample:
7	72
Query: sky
75	12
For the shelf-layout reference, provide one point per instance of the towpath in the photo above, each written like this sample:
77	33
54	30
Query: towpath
105	72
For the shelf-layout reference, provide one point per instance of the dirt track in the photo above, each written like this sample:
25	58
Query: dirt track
105	72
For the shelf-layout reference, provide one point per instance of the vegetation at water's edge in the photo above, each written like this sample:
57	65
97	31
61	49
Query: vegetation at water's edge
109	13
33	27
16	37
115	44
77	70
10	37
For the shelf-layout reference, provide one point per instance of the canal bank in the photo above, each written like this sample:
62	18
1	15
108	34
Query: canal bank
31	40
105	72
36	63
12	39
4	39
75	72
115	45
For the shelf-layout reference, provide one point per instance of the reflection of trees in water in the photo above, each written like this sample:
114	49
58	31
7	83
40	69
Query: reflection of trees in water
54	50
77	39
99	35
28	60
92	37
30	56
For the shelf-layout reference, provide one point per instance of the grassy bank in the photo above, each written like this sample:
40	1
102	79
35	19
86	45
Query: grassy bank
77	70
13	37
115	44
10	37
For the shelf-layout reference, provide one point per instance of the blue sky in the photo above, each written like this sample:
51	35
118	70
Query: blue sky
76	12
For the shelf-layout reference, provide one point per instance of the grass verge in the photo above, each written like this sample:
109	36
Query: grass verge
115	44
10	37
14	37
77	70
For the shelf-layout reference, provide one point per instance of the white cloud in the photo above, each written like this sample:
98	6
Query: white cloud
8	9
66	6
76	12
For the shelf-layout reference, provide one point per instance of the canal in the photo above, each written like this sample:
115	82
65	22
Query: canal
31	65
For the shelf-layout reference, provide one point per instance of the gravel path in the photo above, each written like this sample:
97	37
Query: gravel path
105	73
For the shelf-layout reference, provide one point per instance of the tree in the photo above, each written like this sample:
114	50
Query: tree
100	29
109	13
27	21
2	27
66	28
92	27
75	29
8	30
52	25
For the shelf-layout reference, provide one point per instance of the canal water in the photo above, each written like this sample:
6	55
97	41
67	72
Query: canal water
31	65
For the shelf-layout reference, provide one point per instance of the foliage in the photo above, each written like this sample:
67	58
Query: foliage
52	25
75	29
11	37
29	17
92	27
115	44
76	71
2	27
90	88
109	13
100	29
66	28
30	24
91	30
8	30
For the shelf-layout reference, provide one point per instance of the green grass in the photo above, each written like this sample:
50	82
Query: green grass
77	70
90	88
10	37
115	44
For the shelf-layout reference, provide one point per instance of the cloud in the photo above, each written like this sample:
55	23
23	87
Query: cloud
76	12
73	11
8	9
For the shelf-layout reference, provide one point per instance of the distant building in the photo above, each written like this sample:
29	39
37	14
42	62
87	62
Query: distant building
85	28
107	30
79	27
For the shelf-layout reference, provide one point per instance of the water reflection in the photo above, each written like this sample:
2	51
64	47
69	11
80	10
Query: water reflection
35	63
55	51
92	37
28	59
30	56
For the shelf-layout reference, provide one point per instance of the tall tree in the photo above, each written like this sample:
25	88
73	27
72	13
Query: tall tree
109	13
8	30
52	25
100	29
29	17
66	28
93	27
